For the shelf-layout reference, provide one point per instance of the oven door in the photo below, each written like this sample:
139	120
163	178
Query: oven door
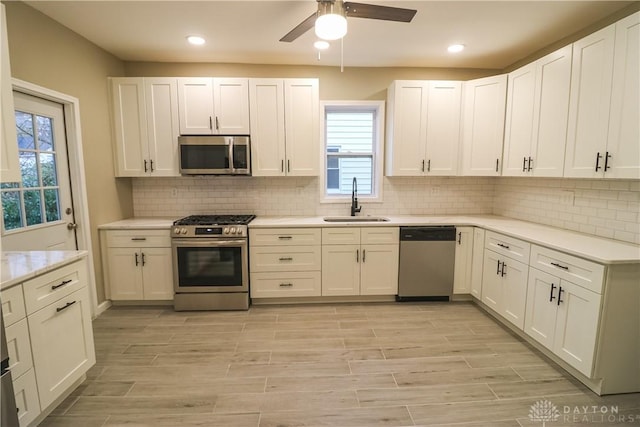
210	265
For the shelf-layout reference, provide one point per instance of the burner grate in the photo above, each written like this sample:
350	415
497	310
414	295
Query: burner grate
215	220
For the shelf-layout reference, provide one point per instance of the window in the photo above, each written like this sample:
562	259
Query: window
35	200
352	149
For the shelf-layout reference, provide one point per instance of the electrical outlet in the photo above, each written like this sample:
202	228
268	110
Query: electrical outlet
174	192
566	197
435	190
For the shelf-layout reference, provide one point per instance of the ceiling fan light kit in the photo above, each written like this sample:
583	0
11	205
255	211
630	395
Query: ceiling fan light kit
331	23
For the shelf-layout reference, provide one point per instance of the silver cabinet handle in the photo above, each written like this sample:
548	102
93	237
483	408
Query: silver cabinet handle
136	239
357	255
286	259
217	124
64	307
285	237
564	267
145	165
151	164
137	262
64	282
364	254
423	166
143	260
503	246
286	285
210	123
429	165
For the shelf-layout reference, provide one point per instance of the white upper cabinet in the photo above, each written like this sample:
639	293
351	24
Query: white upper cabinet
9	163
623	141
536	116
285	127
213	106
483	125
145	118
423	133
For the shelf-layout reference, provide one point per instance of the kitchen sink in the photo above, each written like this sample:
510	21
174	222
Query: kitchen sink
355	219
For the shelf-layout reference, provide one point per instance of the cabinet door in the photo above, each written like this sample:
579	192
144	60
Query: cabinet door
407	133
195	106
483	125
341	270
492	281
9	162
542	298
514	291
130	126
577	326
161	97
266	111
27	403
157	273
19	348
62	343
624	132
464	253
231	106
476	263
518	130
379	270
553	83
443	127
591	74
302	103
125	275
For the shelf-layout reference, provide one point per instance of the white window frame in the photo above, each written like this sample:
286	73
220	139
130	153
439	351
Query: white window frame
378	150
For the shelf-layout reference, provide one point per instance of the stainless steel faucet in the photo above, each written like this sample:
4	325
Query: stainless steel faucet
354	197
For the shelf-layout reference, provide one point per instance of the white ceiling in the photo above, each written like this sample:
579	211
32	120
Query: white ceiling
496	34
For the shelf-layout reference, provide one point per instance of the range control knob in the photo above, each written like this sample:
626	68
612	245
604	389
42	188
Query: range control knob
176	230
226	230
183	230
233	230
240	231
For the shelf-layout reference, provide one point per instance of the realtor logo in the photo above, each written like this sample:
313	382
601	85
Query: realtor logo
544	411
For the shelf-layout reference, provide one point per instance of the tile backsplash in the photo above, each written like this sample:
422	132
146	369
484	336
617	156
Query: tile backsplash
607	208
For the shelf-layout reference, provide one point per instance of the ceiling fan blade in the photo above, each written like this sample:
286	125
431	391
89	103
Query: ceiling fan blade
372	11
302	28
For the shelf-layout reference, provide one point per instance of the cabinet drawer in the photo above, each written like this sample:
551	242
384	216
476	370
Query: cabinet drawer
380	235
284	236
291	284
508	246
138	238
27	401
19	348
292	258
50	287
584	273
341	236
12	305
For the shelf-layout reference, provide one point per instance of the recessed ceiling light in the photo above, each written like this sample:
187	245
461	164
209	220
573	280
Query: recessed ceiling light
321	45
455	48
195	40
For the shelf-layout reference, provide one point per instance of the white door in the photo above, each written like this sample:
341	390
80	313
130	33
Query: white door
37	213
161	98
231	106
464	252
542	303
125	275
379	270
340	270
195	105
624	131
443	128
591	75
514	291
157	273
130	126
266	112
492	281
302	106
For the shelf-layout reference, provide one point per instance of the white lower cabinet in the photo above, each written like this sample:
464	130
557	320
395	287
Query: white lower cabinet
137	264
285	262
563	317
504	280
463	264
49	337
353	265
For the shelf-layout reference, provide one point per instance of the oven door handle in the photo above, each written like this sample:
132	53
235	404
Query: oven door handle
211	243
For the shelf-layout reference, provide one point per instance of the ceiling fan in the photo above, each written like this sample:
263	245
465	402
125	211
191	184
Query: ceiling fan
330	18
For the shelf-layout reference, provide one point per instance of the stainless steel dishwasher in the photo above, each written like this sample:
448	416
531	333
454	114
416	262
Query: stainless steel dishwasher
427	256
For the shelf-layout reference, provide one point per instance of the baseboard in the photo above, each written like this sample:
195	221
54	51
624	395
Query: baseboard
102	307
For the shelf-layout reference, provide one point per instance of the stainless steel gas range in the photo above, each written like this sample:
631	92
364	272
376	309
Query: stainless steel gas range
211	262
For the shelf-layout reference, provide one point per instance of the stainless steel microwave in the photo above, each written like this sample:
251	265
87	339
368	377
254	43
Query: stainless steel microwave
215	155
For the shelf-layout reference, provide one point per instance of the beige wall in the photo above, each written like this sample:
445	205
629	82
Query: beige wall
47	54
353	84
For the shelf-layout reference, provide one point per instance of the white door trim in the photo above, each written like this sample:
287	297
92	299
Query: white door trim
71	106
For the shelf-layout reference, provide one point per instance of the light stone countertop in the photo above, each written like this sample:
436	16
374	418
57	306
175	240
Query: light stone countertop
598	249
18	266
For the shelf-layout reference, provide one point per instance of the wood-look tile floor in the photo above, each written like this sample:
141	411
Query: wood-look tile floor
367	365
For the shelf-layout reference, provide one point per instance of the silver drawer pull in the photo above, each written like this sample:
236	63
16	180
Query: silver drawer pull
138	239
286	259
560	266
64	307
286	285
503	246
64	282
285	237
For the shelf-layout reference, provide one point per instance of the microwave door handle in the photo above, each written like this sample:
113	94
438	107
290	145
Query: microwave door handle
231	164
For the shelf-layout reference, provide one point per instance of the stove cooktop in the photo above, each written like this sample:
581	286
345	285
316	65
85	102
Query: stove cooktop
215	220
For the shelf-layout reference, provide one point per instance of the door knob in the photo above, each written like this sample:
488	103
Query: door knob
72	226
